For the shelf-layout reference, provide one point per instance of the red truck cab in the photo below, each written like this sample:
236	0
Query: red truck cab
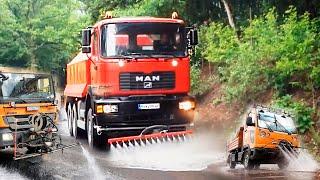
132	74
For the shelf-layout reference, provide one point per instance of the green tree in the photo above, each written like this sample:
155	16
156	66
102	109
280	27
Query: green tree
40	34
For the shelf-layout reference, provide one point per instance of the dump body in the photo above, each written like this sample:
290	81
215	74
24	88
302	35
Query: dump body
260	139
132	73
237	141
22	97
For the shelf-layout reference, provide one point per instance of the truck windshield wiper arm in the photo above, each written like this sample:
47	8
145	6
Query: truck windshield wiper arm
278	123
3	77
269	128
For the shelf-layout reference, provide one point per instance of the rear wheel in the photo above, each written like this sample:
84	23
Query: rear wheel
247	162
69	114
232	164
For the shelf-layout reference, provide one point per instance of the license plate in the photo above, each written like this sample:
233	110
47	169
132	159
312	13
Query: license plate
149	106
33	108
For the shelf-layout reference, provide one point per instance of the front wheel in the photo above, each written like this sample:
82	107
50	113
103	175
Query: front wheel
283	164
247	162
94	140
70	118
75	129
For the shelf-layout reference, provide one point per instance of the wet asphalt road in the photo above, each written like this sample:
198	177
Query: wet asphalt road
201	158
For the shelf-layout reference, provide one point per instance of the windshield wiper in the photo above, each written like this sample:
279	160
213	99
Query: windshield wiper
278	123
3	77
268	126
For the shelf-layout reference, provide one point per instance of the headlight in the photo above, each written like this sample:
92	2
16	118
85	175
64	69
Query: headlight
264	134
174	63
110	108
187	105
7	137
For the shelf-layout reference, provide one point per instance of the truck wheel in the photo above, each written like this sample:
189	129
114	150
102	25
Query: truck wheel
247	162
94	140
283	164
232	164
69	114
257	166
75	129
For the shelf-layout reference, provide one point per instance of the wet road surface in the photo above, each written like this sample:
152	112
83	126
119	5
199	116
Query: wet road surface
200	157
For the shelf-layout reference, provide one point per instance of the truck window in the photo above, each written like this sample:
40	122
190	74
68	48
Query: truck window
276	122
24	87
143	39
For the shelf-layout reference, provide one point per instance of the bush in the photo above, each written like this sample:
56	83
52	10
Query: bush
302	113
273	52
199	86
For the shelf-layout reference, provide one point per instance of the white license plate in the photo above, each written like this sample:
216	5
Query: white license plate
149	106
33	108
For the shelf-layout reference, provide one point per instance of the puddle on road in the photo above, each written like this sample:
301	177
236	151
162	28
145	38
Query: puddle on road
193	154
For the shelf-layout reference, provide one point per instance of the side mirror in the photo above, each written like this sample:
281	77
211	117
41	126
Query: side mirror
194	37
249	121
86	40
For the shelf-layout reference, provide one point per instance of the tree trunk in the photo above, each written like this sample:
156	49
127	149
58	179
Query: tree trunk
229	13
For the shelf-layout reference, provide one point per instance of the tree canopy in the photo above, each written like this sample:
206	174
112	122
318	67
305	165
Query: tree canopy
39	34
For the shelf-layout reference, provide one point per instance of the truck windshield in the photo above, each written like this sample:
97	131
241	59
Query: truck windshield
276	122
26	87
143	39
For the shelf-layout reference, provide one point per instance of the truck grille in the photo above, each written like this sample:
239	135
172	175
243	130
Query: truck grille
22	121
154	80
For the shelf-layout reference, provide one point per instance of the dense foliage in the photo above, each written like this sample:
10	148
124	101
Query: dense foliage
301	112
39	34
272	52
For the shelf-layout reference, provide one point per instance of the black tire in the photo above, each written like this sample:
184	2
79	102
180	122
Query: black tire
94	140
231	164
247	162
283	164
257	166
75	129
69	116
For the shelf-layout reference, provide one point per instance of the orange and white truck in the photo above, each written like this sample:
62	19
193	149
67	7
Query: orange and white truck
28	112
261	138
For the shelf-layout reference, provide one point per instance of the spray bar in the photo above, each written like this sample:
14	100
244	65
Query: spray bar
149	136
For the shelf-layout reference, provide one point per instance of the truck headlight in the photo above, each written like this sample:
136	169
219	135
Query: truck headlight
186	105
264	134
7	137
110	108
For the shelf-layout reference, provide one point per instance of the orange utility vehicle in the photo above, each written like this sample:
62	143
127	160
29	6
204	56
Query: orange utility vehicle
266	134
28	112
132	77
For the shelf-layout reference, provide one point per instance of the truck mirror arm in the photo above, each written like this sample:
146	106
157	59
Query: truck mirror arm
94	64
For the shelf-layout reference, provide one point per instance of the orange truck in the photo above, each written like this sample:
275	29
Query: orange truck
263	138
28	111
132	76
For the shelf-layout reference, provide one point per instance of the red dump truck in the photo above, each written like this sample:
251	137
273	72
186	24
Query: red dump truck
132	75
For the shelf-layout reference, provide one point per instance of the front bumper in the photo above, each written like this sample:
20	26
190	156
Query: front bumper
130	117
266	155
